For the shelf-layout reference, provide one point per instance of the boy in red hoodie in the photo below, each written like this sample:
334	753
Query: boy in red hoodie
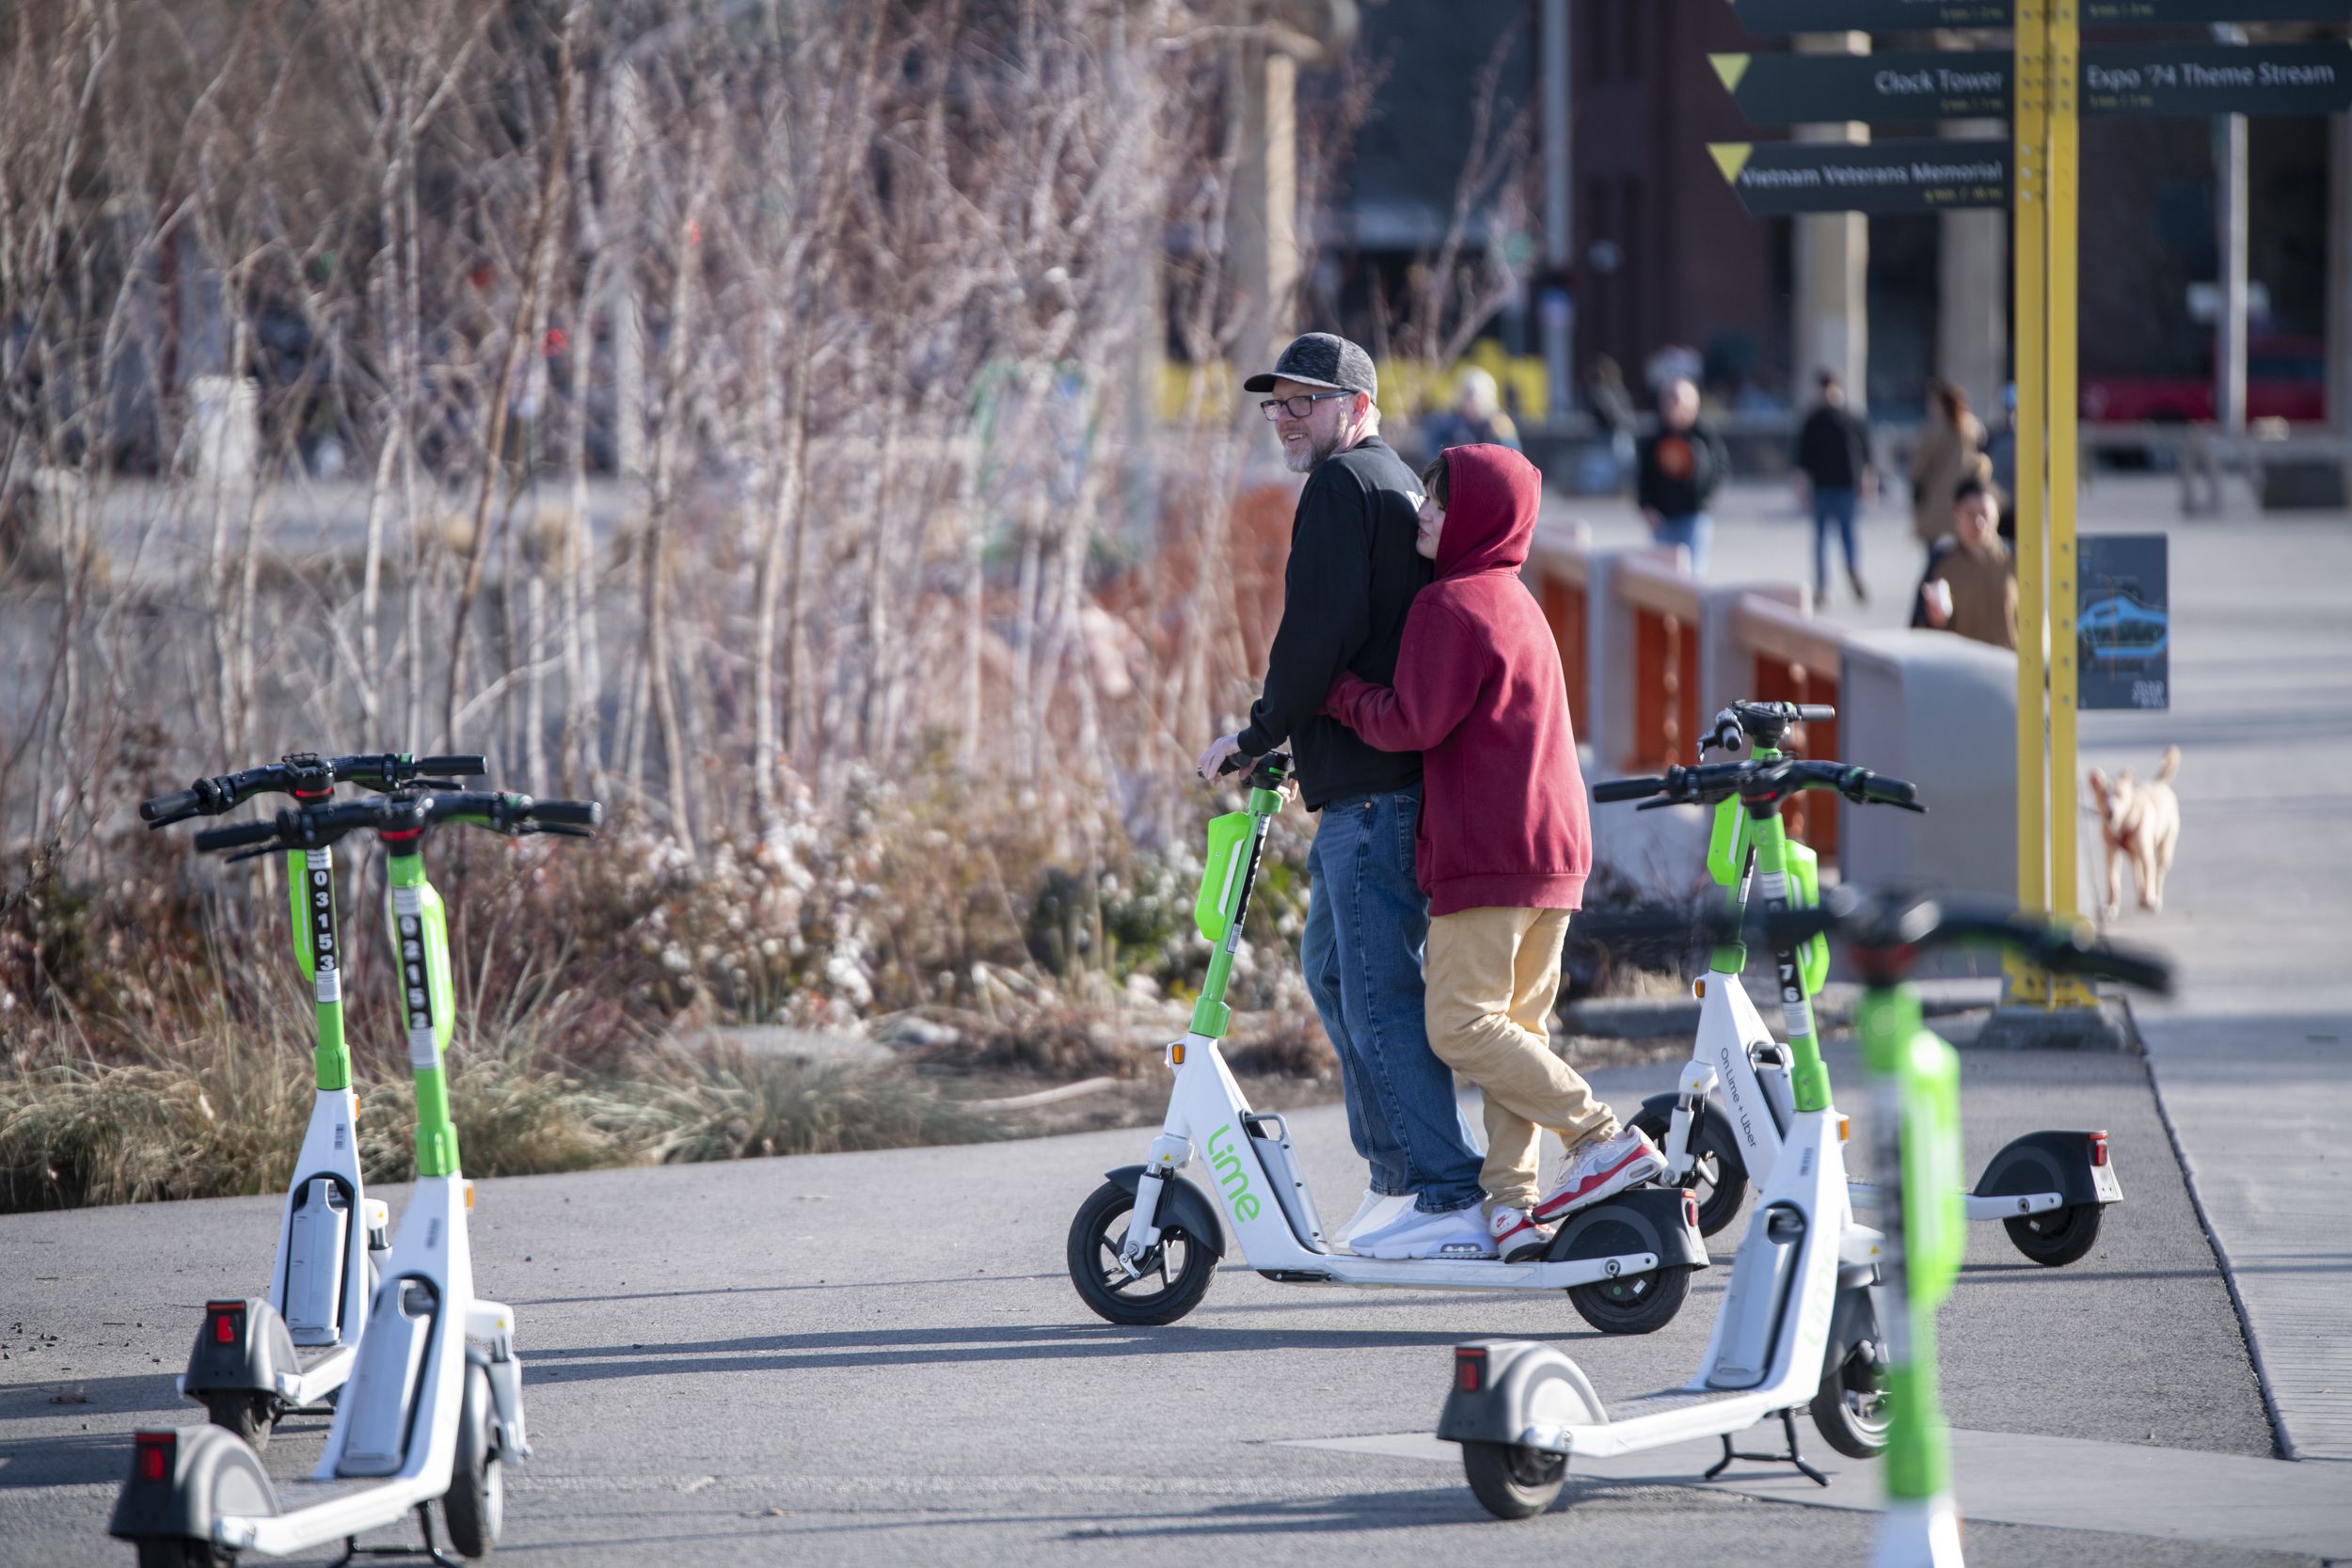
1503	847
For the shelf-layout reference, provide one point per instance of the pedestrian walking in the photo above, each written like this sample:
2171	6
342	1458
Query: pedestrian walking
1353	573
1950	444
1678	471
1832	461
1476	417
1972	587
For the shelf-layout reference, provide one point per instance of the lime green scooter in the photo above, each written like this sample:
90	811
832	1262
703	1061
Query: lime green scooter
258	1357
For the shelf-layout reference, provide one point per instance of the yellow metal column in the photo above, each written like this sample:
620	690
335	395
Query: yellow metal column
2029	235
2063	283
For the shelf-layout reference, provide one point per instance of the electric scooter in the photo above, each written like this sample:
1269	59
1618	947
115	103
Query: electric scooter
263	1357
1521	1410
433	1408
1722	1128
1144	1247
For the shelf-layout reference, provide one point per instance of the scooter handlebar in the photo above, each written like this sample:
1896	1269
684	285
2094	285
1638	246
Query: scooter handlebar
1627	789
468	764
567	814
236	835
176	807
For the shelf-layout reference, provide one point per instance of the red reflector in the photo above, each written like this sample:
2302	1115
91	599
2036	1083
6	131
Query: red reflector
1469	1370
1690	1209
225	1328
2098	1148
154	1455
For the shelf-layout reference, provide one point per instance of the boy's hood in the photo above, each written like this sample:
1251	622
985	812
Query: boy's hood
1495	494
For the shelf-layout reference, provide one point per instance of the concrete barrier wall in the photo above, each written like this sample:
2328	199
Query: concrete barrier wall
1941	711
1650	656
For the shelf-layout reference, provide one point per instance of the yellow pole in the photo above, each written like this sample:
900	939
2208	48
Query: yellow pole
2065	292
2028	231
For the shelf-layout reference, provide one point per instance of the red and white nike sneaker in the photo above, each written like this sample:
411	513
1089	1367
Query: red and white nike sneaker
1518	1238
1601	1169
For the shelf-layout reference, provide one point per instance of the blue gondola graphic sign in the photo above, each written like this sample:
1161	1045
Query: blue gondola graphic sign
2123	621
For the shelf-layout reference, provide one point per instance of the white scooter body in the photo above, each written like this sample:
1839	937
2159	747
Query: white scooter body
1757	1103
395	1428
1273	1215
1765	1354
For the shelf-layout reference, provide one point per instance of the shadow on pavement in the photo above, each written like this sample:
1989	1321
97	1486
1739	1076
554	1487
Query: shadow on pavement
902	1346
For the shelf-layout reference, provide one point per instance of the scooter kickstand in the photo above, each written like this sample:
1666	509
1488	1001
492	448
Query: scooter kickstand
1788	1426
430	1552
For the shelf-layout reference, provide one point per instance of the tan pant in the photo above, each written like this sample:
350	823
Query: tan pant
1492	976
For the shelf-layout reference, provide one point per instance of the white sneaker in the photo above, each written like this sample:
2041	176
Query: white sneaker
1602	1169
1518	1238
1377	1209
1456	1233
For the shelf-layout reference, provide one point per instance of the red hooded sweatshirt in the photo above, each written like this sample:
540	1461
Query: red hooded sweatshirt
1480	693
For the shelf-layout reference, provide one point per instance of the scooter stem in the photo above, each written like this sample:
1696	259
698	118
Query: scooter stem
318	949
420	925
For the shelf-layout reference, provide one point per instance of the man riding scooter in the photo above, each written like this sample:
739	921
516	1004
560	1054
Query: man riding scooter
1353	572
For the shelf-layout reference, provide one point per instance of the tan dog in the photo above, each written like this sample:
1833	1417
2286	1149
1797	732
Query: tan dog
2144	822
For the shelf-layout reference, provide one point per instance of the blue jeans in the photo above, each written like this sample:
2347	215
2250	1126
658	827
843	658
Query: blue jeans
1366	924
1832	508
1693	532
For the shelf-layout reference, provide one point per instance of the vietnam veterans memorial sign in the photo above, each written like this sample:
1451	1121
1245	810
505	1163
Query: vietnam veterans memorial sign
1910	176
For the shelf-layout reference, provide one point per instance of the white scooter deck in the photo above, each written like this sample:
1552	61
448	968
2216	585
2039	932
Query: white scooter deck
1272	1214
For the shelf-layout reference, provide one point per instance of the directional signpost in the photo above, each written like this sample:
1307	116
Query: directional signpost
1769	18
1791	89
1778	178
2217	78
2117	79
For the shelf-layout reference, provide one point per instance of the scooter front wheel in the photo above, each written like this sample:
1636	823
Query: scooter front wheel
2055	1236
1850	1408
1175	1273
176	1552
1719	1176
474	1506
1632	1302
1512	1481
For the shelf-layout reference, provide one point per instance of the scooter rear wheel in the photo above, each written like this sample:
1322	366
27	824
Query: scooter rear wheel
474	1506
250	1416
178	1552
1632	1302
1718	1176
2058	1236
1176	1274
1511	1481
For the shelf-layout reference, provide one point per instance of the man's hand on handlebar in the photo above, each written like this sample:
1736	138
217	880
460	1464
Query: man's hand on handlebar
1212	761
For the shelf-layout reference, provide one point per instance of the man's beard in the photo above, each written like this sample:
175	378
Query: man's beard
1317	448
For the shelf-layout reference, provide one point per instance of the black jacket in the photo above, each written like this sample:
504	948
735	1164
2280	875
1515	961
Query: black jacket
1833	449
1679	470
1352	574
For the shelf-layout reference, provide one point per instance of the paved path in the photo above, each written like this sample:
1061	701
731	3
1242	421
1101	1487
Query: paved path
2253	1058
869	1357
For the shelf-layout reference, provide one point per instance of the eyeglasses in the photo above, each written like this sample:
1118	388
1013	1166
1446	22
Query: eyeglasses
1299	406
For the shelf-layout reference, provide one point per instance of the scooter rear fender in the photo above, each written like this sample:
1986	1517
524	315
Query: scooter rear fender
211	1475
1179	1197
257	1349
1660	1220
1520	1384
2052	1161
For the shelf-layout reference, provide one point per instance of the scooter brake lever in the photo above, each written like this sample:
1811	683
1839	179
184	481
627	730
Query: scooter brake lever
1657	805
254	853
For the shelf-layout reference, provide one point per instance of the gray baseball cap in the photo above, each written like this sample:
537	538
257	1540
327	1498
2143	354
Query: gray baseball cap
1321	359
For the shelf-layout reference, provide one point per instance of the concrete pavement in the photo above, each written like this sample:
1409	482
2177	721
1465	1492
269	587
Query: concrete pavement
864	1357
